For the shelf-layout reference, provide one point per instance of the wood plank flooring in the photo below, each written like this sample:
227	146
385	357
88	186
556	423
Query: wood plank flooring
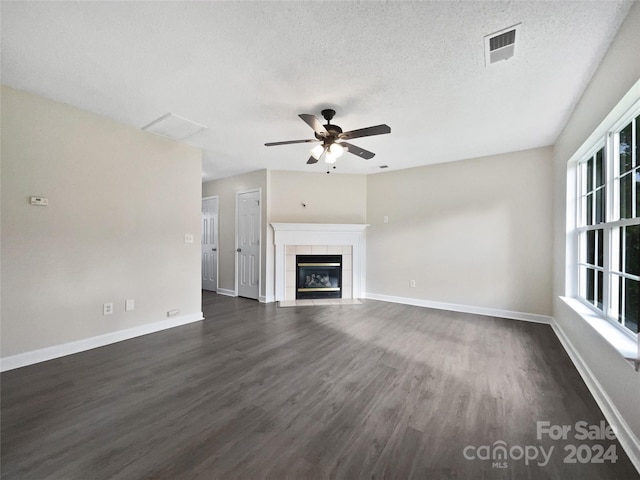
376	390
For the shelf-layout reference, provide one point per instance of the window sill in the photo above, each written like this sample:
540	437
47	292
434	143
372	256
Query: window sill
625	344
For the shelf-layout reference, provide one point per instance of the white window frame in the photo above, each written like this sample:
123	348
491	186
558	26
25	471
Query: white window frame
606	136
580	229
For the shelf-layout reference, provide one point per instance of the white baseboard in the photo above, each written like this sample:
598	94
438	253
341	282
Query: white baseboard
56	351
232	293
227	292
624	434
492	312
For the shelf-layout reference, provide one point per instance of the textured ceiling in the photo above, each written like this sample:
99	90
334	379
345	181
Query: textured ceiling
246	69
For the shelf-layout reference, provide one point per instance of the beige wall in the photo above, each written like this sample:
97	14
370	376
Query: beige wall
328	198
121	201
474	233
619	70
226	189
470	232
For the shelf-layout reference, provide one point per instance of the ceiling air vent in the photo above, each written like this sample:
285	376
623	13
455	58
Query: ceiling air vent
501	45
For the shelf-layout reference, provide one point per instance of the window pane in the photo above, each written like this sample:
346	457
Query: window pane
590	174
600	247
591	247
632	305
625	149
625	197
600	206
599	302
589	294
600	168
620	234
589	212
632	250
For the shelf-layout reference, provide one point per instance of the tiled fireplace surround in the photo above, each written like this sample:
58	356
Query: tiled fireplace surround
293	239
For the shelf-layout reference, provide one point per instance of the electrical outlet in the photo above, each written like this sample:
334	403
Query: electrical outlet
107	308
412	283
385	219
173	313
188	238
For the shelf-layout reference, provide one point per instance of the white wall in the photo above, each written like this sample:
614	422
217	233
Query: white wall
619	70
121	201
472	233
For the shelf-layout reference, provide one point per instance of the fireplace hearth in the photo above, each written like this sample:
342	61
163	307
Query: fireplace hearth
319	276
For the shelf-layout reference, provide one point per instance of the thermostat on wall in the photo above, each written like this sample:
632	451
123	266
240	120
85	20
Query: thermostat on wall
43	201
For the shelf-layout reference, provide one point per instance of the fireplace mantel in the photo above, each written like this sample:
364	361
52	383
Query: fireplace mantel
351	234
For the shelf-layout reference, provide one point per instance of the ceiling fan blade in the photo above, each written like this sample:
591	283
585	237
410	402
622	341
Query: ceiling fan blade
288	142
361	152
311	161
314	123
366	132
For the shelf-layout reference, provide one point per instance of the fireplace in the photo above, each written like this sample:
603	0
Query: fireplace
291	239
319	276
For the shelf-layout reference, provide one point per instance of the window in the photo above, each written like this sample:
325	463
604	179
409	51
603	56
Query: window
609	225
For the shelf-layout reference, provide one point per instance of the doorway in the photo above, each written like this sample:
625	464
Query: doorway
210	244
248	224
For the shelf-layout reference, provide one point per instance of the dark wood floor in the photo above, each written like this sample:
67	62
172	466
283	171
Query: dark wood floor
377	390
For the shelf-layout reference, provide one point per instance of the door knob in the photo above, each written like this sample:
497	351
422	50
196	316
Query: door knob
214	249
239	250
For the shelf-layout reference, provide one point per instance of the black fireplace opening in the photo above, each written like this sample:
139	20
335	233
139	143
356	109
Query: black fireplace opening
319	276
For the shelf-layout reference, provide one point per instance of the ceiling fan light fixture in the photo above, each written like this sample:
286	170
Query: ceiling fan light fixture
336	150
330	158
316	152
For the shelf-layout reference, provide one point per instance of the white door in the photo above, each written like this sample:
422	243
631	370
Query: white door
248	248
210	244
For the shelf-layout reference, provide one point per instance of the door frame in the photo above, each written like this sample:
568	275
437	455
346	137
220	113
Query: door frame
217	234
235	250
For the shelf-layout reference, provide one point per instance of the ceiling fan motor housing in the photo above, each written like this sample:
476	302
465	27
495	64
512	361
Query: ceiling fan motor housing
328	114
334	131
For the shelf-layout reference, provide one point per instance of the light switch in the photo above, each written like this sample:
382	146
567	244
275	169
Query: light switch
188	238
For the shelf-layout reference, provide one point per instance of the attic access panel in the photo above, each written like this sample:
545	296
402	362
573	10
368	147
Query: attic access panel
501	45
174	127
